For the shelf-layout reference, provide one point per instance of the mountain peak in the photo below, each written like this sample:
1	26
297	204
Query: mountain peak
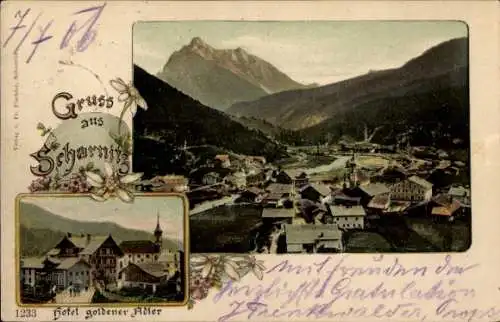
198	42
207	73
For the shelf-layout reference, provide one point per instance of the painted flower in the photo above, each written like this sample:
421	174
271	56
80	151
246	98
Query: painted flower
208	265
199	287
204	264
256	266
128	94
40	184
111	184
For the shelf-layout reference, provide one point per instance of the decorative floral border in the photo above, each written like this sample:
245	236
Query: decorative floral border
212	270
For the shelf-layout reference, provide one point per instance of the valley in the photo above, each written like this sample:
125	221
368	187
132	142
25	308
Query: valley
378	162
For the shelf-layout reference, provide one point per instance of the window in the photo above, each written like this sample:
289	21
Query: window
70	273
121	264
147	256
139	256
156	257
129	255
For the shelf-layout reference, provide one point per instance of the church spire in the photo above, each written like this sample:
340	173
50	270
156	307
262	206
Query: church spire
158	232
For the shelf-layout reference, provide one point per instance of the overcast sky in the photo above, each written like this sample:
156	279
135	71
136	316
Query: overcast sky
141	214
316	51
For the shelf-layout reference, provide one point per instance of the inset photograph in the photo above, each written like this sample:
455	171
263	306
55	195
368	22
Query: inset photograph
75	250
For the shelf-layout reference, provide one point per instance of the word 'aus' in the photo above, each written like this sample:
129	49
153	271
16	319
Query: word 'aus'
65	107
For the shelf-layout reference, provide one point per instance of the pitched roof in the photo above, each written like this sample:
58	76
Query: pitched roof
254	190
79	241
324	189
348	211
374	189
306	204
421	182
138	247
32	262
448	210
342	196
159	269
95	243
279	188
309	233
275	196
380	201
277	213
69	262
443	199
398	206
53	252
53	260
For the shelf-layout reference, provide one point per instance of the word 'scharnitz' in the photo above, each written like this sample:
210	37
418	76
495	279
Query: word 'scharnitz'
84	30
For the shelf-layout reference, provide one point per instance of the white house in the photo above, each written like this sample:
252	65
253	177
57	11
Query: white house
413	189
313	238
348	217
62	272
461	194
73	271
138	252
147	276
29	268
152	274
211	178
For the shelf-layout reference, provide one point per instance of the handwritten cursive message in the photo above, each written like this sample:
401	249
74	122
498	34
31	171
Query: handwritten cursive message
81	32
335	287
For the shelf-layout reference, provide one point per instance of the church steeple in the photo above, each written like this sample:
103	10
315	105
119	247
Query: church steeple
158	232
350	175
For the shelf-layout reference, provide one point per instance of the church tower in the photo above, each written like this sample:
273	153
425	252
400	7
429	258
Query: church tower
350	175
158	232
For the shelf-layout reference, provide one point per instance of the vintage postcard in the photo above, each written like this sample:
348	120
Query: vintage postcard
234	161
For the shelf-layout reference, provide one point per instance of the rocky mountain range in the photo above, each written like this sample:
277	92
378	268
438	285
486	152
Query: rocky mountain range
174	119
219	78
427	94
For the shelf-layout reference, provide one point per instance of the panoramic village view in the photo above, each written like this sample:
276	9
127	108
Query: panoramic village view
368	153
95	261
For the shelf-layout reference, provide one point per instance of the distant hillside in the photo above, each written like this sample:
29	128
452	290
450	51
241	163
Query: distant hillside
41	230
173	119
254	123
429	93
220	77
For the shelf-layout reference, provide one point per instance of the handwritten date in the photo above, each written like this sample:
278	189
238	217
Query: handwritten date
81	32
